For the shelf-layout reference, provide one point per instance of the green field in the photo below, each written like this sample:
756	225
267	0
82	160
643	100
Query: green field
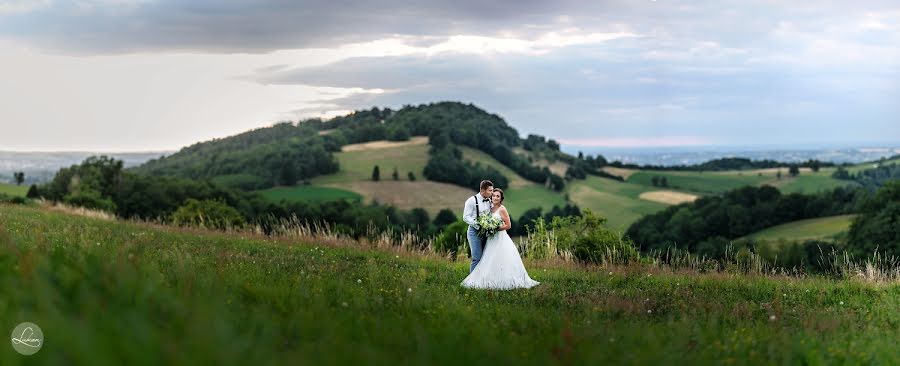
13	190
812	182
117	293
858	167
617	201
515	180
357	165
719	182
309	193
697	182
521	194
356	173
824	228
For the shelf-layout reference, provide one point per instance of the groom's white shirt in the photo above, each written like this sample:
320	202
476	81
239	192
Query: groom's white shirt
469	214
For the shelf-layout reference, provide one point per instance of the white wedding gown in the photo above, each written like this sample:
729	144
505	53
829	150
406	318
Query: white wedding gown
500	267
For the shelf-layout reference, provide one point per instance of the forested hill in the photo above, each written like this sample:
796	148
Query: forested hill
287	153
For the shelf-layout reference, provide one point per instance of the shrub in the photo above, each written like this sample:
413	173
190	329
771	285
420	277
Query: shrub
451	238
207	213
587	238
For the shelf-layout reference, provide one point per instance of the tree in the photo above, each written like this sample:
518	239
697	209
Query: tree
444	217
396	174
19	177
664	182
207	213
794	170
778	175
411	176
33	192
815	165
376	174
654	181
557	183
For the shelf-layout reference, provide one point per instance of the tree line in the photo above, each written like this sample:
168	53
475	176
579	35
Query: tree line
702	226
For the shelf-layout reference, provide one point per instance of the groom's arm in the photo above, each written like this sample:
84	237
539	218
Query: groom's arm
469	212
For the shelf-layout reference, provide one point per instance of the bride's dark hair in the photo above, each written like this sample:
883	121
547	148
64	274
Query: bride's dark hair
501	194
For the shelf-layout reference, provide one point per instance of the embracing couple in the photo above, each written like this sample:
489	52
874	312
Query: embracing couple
496	263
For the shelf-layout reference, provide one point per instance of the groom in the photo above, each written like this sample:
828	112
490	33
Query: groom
478	204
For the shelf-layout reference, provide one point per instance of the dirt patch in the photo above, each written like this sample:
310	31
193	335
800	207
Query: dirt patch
559	168
668	197
621	172
383	144
325	132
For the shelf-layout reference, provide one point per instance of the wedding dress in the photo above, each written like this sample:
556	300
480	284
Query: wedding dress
500	266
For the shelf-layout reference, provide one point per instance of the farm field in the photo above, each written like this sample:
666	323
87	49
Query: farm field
13	190
619	202
823	228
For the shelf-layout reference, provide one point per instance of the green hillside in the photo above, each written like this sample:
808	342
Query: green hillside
699	182
358	165
618	202
309	193
188	297
824	228
336	158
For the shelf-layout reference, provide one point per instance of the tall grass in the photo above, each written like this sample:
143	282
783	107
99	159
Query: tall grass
118	292
542	246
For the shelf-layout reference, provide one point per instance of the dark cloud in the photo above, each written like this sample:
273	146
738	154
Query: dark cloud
258	26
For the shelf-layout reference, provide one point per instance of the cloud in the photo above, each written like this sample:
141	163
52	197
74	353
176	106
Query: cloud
615	70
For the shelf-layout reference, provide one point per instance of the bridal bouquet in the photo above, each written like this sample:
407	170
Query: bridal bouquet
488	225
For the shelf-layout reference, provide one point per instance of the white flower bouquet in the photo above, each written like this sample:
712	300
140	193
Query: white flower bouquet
488	225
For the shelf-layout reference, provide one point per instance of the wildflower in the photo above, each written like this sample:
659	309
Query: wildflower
344	304
842	303
409	289
772	318
649	311
359	281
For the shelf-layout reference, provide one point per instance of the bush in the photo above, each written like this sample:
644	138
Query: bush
90	198
444	218
5	198
590	241
451	238
207	213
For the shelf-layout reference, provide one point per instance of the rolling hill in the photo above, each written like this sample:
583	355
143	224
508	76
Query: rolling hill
823	228
322	160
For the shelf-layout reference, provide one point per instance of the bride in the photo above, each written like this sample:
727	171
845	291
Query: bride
500	266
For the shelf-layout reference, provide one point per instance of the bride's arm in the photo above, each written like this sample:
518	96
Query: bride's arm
505	216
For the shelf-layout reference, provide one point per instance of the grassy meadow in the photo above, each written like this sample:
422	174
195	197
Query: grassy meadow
699	182
619	202
13	190
823	228
110	292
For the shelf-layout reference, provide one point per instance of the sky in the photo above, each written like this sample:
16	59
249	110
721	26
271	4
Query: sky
150	75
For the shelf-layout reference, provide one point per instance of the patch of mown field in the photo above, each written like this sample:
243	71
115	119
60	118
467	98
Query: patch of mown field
823	228
698	182
13	190
119	293
357	165
619	202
